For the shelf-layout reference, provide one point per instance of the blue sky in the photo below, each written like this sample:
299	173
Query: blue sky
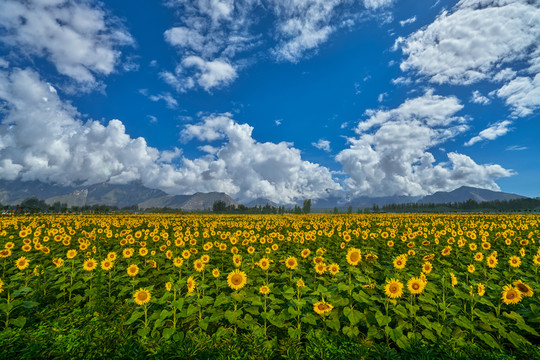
278	99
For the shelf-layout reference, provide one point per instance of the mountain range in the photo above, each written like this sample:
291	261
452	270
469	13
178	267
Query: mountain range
123	195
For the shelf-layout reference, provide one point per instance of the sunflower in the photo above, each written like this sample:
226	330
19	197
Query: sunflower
492	261
300	283
142	296
481	289
320	268
428	257
264	290
178	261
318	260
264	263
524	289
354	256
191	285
90	265
251	250
291	262
107	264
305	253
390	243
58	262
71	253
198	265
400	262
22	263
471	268
393	288
368	286
322	307
205	259
168	286
236	279
427	267
522	252
333	269
536	259
486	245
26	248
415	286
127	253
446	251
112	256
514	261
478	256
186	254
453	279
132	270
215	273
511	295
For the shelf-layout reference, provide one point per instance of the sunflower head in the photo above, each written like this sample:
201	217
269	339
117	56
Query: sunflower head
264	263
354	256
427	267
264	290
333	269
322	307
393	289
215	273
524	289
511	295
481	289
132	270
90	265
300	283
168	286
191	285
291	263
416	285
107	264
142	297
236	279
514	261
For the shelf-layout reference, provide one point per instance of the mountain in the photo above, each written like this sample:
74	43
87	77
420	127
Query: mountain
14	192
367	202
261	202
465	193
198	201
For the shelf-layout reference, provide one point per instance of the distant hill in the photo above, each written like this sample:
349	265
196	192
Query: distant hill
465	193
198	201
261	202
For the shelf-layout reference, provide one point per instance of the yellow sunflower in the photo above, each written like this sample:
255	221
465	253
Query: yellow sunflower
132	270
400	262
320	268
427	267
453	279
90	265
524	289
291	262
168	286
481	289
300	283
236	279
264	263
264	290
354	256
71	253
471	268
393	288
107	264
178	262
511	295
416	286
215	273
305	253
536	259
198	265
142	296
492	261
322	307
446	251
514	261
191	285
22	263
333	269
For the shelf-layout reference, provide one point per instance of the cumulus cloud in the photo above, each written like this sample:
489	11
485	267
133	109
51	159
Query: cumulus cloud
248	169
322	145
478	98
470	43
80	40
390	155
224	31
522	94
491	133
42	138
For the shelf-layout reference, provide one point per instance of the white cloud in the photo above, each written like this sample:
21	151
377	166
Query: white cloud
322	145
4	63
44	140
478	98
381	97
210	74
522	94
472	42
491	133
80	40
516	148
407	21
248	169
278	122
375	4
152	118
169	100
391	154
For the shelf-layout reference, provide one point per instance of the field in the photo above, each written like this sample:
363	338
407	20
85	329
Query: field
313	286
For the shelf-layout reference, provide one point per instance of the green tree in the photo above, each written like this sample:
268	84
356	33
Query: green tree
306	208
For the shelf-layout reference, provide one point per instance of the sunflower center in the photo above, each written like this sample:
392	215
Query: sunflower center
236	279
511	295
416	286
354	256
322	307
393	289
522	288
142	296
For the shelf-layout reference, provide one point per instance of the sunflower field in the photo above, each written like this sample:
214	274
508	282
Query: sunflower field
279	285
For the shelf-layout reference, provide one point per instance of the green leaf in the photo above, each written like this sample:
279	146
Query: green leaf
164	314
422	320
463	322
353	315
309	319
351	331
382	320
428	334
134	317
488	339
18	322
401	311
168	332
206	300
178	303
294	333
203	324
333	323
191	309
254	310
394	334
232	316
343	287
